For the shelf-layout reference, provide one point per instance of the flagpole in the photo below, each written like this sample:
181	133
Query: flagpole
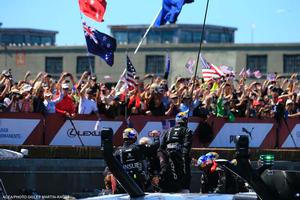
119	81
146	33
126	106
87	52
200	47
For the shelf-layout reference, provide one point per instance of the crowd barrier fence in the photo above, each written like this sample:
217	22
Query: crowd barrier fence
57	130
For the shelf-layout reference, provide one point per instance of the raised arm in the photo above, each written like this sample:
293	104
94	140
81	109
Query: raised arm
6	89
28	73
38	76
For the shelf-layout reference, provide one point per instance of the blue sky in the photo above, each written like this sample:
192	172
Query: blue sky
272	21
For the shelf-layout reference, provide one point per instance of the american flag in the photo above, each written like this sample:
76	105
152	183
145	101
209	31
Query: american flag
130	75
190	65
257	74
209	71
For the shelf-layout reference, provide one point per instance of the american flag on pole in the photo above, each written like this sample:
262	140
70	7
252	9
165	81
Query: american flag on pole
209	71
190	65
257	74
130	75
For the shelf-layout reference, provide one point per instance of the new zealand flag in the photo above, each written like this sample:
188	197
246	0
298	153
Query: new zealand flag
100	44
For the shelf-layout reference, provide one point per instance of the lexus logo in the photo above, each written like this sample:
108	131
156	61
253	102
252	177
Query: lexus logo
72	133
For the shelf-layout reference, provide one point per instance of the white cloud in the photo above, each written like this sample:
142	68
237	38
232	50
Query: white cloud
280	11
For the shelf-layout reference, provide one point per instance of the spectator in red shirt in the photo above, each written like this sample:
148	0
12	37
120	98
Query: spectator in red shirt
66	106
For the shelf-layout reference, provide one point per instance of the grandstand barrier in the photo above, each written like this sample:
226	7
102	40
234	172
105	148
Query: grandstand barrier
57	130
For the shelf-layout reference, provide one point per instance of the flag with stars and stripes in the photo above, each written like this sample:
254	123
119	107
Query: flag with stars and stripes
210	71
100	44
130	75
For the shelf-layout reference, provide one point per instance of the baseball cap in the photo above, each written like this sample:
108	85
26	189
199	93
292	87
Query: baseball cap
47	94
26	88
94	78
65	86
289	101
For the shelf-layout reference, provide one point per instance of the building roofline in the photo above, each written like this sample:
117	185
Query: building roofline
27	30
155	47
144	26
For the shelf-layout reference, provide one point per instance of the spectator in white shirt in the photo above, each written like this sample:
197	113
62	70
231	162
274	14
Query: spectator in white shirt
87	105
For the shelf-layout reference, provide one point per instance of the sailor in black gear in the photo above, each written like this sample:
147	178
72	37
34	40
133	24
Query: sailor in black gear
218	179
149	146
210	172
174	156
132	159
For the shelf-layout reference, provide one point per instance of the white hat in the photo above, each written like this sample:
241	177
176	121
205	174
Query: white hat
26	88
289	101
47	94
65	86
6	102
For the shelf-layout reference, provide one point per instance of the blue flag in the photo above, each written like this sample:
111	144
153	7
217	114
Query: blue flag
100	44
170	11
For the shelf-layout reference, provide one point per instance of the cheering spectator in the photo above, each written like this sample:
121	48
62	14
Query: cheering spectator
87	104
66	106
156	106
290	110
188	105
174	105
26	99
12	102
38	101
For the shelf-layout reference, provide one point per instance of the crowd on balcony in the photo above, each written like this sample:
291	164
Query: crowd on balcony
228	96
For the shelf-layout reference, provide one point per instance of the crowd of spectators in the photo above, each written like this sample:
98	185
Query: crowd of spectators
228	96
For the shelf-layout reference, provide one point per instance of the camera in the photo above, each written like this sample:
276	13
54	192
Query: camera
16	95
7	74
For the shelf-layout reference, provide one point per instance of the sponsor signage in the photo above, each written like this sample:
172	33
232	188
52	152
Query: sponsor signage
69	134
255	131
293	139
16	131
